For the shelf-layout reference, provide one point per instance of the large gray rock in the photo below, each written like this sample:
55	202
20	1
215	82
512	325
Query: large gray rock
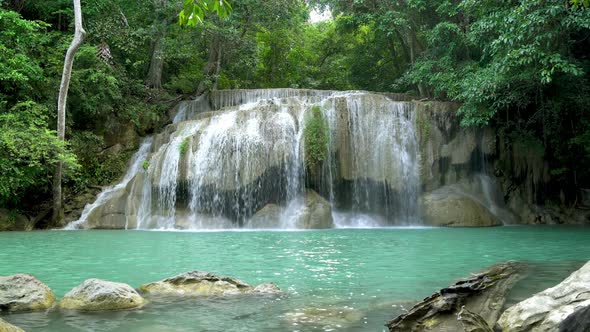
97	295
565	307
7	327
317	212
450	209
267	217
483	293
199	283
23	292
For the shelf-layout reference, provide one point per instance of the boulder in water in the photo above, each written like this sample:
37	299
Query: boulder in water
7	327
324	319
23	292
483	293
267	217
199	283
97	295
450	209
317	213
565	307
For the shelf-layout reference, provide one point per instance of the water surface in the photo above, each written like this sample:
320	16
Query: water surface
336	280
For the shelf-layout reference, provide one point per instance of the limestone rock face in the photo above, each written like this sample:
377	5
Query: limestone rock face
23	292
199	283
97	295
444	208
317	213
7	327
10	221
483	293
565	307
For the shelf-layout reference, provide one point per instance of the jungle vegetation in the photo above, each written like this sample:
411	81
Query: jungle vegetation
520	65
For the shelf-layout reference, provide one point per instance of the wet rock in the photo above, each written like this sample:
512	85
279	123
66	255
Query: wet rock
317	213
472	322
12	221
483	293
97	295
23	292
267	288
559	308
267	217
7	327
199	283
444	207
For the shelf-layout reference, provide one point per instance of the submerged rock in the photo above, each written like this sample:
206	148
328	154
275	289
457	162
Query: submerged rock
96	295
7	327
483	293
565	307
446	208
325	319
23	292
199	283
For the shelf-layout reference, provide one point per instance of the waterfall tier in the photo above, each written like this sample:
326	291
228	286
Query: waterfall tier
237	158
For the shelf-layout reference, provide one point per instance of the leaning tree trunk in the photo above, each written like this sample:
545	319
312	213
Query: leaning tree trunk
212	68
79	34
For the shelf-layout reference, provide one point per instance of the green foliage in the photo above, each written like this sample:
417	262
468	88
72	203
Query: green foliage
316	136
182	148
193	12
145	165
29	152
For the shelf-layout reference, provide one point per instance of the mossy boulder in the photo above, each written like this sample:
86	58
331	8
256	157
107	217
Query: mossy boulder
99	295
23	292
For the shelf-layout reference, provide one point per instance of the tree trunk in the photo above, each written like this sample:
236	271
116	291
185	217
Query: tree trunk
79	34
154	78
212	68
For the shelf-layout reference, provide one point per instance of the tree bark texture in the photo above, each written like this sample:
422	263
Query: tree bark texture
79	34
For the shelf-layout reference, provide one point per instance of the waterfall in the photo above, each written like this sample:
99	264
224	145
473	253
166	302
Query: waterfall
135	166
236	158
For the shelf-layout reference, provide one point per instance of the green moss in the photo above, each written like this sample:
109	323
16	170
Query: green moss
424	126
146	165
183	146
316	135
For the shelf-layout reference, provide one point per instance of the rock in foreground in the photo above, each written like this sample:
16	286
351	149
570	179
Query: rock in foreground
7	327
23	292
483	293
565	307
96	295
199	283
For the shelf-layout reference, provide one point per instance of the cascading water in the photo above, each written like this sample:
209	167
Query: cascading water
135	166
236	158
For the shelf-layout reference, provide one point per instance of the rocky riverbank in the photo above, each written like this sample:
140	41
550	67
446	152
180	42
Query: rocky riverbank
476	304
